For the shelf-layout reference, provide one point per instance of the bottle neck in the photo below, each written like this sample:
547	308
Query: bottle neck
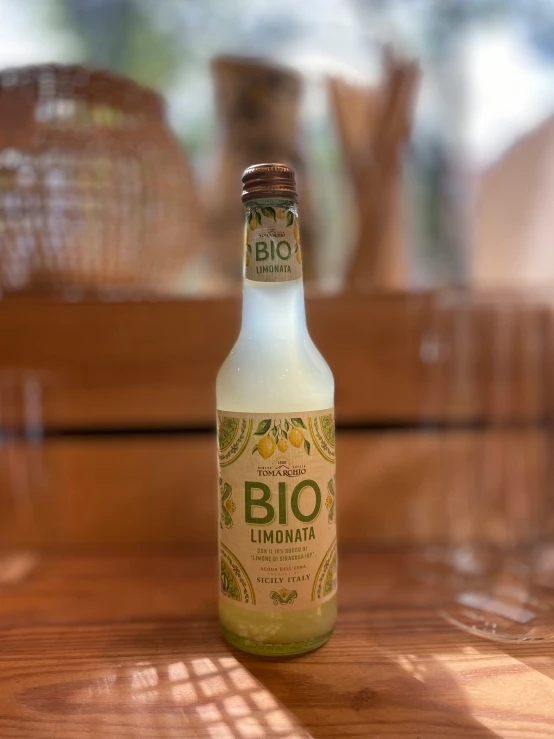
273	290
278	309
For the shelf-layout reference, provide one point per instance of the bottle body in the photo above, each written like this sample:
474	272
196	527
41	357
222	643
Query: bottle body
275	395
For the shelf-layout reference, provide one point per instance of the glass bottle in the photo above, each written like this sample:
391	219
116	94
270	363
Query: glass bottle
276	444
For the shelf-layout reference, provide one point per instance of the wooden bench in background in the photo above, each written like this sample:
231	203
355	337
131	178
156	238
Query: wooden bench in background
127	411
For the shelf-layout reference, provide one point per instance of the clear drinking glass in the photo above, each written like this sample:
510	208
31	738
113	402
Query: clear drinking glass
25	511
486	401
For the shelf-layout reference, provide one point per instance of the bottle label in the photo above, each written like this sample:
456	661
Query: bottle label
277	519
272	241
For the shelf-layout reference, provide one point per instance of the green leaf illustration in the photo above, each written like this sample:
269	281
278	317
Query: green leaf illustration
296	248
290	218
269	213
258	218
331	505
249	248
307	446
226	517
263	427
255	449
279	600
284	434
298	422
287	425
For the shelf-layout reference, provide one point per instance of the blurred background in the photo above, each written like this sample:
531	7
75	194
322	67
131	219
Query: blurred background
422	134
461	185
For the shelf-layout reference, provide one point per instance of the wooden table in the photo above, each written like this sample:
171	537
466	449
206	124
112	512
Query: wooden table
128	646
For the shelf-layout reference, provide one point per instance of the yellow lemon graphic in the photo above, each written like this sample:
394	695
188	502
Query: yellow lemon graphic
296	437
299	257
296	232
266	447
252	222
247	259
281	213
282	445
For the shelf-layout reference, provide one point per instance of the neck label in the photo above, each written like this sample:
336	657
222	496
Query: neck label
272	250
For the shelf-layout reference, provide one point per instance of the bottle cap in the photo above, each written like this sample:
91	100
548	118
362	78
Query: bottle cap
269	181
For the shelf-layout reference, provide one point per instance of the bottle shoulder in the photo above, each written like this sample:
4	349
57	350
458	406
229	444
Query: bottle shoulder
274	373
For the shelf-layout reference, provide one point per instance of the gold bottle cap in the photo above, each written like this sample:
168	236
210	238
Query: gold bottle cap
271	180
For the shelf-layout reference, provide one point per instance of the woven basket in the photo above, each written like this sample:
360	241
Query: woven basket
95	192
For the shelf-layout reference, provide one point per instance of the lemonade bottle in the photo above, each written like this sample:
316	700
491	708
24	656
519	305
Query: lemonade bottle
276	444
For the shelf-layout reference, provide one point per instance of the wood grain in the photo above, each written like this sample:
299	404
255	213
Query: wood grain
155	363
161	491
126	647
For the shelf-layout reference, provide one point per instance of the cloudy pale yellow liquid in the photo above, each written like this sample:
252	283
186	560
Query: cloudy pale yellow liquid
275	368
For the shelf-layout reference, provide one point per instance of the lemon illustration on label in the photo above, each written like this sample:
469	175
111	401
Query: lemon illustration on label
266	447
279	434
296	437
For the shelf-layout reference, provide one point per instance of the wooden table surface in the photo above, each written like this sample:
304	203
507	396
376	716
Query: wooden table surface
128	646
